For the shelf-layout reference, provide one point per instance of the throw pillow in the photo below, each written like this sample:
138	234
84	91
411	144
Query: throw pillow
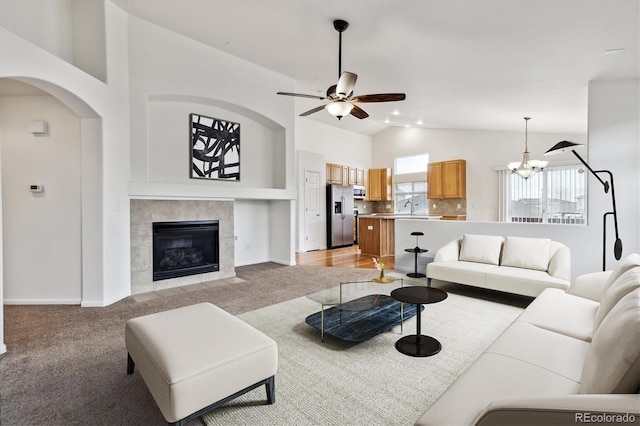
481	248
612	364
625	284
528	253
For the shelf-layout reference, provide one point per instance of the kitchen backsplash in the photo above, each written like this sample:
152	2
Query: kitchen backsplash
449	207
367	207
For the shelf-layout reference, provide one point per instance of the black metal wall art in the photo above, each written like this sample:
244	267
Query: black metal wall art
215	148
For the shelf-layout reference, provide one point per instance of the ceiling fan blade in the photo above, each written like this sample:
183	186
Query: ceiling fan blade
301	95
346	82
311	111
331	92
380	97
359	112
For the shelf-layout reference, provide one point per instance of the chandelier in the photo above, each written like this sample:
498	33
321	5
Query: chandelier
526	168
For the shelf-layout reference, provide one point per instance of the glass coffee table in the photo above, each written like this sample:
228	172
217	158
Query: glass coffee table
358	310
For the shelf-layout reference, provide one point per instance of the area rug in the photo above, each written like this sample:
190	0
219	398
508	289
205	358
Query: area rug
369	383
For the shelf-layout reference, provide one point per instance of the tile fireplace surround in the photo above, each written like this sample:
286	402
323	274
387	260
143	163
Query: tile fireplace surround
145	212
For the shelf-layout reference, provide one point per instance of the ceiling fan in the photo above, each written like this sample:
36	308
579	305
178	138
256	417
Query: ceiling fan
340	96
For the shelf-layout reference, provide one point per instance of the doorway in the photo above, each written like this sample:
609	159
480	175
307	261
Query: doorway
313	223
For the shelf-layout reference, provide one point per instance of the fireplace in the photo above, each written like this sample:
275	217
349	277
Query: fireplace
185	248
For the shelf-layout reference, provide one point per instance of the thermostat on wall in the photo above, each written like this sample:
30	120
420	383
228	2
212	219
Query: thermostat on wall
36	188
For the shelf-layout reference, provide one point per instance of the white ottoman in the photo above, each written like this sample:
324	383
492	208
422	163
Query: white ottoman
198	357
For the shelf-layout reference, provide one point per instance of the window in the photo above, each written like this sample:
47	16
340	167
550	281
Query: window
411	197
555	195
410	184
411	164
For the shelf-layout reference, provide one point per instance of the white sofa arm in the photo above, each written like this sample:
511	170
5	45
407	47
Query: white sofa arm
590	286
560	262
563	410
449	252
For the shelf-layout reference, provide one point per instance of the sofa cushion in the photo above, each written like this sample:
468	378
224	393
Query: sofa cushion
563	313
623	285
491	377
613	361
471	273
522	281
625	264
527	253
481	248
531	344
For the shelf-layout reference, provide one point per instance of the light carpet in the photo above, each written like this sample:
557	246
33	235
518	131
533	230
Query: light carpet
369	383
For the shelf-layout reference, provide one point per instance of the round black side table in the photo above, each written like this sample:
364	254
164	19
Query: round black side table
417	344
416	250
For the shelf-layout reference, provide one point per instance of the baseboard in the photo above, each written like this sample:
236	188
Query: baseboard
42	301
283	262
103	303
3	348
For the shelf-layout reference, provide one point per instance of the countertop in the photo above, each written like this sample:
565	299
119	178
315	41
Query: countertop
399	216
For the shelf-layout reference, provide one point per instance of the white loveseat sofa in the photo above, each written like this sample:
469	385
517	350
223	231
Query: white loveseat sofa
512	264
571	357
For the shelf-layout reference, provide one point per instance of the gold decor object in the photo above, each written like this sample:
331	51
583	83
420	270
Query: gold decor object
382	279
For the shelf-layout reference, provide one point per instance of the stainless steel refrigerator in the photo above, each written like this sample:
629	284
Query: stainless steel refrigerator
339	216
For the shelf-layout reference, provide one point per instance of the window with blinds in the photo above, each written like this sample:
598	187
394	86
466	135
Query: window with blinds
555	195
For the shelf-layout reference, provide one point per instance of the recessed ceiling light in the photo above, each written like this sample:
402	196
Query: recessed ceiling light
387	121
396	112
407	126
419	122
613	51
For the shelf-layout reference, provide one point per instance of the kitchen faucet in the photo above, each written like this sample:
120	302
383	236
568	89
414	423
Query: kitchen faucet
409	201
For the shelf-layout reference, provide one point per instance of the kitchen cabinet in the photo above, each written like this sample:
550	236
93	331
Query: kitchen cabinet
447	179
353	176
377	236
379	188
335	173
360	176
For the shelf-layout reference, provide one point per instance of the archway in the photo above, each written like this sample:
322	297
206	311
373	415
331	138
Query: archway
85	215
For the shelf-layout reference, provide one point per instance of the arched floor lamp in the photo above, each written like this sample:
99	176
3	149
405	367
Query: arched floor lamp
564	146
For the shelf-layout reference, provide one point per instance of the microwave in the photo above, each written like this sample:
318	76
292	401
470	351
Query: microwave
358	192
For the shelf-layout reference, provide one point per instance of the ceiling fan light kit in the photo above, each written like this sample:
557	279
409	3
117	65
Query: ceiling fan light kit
526	168
340	96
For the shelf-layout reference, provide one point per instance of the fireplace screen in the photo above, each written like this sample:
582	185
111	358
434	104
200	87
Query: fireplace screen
184	248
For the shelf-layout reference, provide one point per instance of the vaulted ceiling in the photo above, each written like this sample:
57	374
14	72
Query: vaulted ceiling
464	64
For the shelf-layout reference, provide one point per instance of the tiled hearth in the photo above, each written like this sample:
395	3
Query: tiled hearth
145	212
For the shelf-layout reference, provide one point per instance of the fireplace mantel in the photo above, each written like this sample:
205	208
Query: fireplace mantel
198	190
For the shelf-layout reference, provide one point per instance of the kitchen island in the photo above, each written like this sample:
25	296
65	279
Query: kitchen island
377	232
377	235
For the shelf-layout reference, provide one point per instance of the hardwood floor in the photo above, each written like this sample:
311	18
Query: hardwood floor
345	257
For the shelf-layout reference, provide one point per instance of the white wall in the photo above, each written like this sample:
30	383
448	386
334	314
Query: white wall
483	150
338	146
170	149
104	113
172	76
73	30
316	145
42	241
252	231
614	135
614	145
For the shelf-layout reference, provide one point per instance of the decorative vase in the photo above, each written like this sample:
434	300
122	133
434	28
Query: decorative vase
382	278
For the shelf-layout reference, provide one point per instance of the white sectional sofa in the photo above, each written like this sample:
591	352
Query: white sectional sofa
571	357
512	264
